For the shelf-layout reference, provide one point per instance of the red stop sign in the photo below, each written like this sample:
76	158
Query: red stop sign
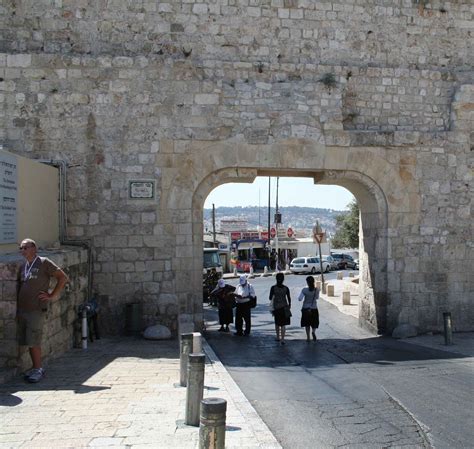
273	233
290	232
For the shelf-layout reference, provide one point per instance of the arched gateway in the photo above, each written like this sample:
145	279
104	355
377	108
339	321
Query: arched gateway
379	186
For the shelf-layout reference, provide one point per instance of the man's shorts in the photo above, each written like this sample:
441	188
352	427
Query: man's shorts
30	328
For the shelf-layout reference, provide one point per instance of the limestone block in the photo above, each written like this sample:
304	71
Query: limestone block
346	298
340	275
351	274
405	331
157	332
19	60
330	290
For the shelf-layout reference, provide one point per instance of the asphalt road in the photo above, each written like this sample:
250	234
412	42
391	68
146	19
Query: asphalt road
350	389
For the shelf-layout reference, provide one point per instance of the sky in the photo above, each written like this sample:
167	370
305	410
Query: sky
291	192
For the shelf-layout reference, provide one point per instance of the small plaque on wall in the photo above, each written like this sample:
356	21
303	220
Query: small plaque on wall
142	190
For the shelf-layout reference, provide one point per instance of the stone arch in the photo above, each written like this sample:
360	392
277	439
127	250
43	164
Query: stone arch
376	180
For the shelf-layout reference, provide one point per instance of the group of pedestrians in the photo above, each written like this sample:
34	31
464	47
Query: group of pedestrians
243	298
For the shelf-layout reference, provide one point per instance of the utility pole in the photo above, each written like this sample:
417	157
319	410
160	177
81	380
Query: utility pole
269	215
214	224
277	220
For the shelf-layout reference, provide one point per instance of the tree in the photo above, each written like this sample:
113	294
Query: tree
347	228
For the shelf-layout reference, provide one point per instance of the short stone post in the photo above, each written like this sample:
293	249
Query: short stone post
340	275
330	290
351	274
346	298
212	428
186	347
265	270
448	328
197	342
318	285
195	388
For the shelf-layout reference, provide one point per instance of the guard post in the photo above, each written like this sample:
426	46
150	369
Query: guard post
195	388
212	427
448	328
185	348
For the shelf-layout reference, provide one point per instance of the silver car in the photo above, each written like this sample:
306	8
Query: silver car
308	265
333	264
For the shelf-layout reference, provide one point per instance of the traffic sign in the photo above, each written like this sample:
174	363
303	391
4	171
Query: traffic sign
289	233
273	233
319	237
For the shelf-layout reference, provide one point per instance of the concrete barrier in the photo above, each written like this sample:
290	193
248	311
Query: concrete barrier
330	290
346	298
340	275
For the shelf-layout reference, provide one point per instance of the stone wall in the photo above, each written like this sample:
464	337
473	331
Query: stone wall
59	335
377	98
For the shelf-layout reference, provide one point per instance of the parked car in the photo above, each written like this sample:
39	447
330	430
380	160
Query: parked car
308	265
344	261
333	264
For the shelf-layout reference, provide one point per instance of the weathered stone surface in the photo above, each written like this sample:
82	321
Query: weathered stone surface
157	332
405	331
194	95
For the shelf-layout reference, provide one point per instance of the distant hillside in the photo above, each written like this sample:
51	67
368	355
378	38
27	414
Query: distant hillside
301	219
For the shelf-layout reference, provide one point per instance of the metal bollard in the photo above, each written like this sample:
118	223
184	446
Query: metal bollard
197	342
212	428
195	388
448	328
186	347
84	328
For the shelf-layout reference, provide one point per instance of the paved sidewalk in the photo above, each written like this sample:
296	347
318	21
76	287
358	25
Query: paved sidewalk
339	286
121	393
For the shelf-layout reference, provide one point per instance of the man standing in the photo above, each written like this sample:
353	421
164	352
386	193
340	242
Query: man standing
243	293
33	298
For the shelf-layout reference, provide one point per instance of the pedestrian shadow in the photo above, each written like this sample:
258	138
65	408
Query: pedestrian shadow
263	351
9	400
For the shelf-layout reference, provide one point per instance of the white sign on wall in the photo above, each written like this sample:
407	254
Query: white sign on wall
141	189
8	197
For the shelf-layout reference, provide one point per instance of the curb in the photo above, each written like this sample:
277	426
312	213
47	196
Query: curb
262	434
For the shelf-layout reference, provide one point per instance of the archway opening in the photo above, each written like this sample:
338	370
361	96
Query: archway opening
345	186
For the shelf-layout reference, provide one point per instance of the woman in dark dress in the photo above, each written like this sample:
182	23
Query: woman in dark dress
224	295
281	307
309	312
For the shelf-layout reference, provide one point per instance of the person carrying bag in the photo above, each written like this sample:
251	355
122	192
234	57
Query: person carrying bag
280	300
309	312
243	297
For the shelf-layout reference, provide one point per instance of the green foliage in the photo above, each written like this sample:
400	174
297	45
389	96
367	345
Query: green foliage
347	228
329	80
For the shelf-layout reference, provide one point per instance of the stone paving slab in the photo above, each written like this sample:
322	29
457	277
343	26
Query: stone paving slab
121	393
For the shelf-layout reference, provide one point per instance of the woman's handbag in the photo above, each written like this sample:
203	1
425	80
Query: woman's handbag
253	302
288	312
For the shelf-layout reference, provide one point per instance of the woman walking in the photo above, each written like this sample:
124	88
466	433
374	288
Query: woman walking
223	294
281	307
309	312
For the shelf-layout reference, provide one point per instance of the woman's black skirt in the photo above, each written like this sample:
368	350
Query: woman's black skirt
280	317
226	316
310	317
